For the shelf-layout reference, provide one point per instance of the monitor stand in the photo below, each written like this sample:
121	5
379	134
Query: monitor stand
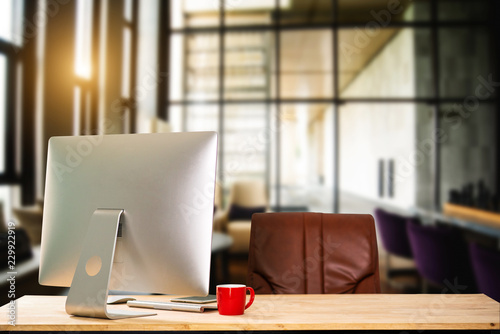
88	293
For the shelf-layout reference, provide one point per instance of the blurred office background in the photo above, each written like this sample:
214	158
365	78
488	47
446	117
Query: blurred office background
336	106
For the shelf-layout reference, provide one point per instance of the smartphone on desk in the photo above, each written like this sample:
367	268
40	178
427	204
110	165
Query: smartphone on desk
195	299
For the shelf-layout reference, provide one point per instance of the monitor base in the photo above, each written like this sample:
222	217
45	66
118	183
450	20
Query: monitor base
88	293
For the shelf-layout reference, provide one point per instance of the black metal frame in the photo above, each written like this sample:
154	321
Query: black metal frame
163	91
336	93
495	47
435	101
222	67
9	176
436	162
28	128
96	30
279	101
21	146
134	32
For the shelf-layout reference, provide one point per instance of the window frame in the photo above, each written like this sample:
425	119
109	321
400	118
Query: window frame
12	53
434	100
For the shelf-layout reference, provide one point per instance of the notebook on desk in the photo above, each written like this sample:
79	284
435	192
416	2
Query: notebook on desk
171	306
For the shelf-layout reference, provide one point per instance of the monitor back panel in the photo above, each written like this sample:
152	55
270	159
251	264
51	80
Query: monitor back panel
165	185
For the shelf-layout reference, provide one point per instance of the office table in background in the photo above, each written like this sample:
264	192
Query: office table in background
280	312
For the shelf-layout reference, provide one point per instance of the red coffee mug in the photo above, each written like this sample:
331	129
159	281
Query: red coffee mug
231	298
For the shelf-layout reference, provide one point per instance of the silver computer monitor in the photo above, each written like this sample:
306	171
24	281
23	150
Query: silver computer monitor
164	185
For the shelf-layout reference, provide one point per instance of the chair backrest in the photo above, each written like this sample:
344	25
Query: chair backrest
486	267
441	255
303	252
248	193
391	229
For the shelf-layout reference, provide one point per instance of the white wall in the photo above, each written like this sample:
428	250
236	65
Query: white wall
369	131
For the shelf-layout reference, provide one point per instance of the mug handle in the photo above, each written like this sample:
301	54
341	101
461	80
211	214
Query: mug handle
252	297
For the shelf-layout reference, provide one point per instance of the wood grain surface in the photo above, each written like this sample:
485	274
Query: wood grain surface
278	312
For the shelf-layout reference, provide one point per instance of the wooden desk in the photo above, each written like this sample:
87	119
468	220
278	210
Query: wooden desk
280	312
490	229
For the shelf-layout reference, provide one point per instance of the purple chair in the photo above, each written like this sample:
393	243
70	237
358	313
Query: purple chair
392	231
486	267
441	257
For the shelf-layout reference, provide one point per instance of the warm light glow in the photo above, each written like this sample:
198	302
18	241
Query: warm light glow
83	50
83	71
39	102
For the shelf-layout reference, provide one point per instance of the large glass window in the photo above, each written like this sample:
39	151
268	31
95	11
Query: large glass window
6	23
305	154
349	94
452	10
10	24
468	141
306	12
11	43
246	141
194	64
381	13
194	13
306	64
11	40
386	150
3	110
201	118
394	63
465	58
248	65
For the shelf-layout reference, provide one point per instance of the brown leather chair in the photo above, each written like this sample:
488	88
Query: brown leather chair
304	252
